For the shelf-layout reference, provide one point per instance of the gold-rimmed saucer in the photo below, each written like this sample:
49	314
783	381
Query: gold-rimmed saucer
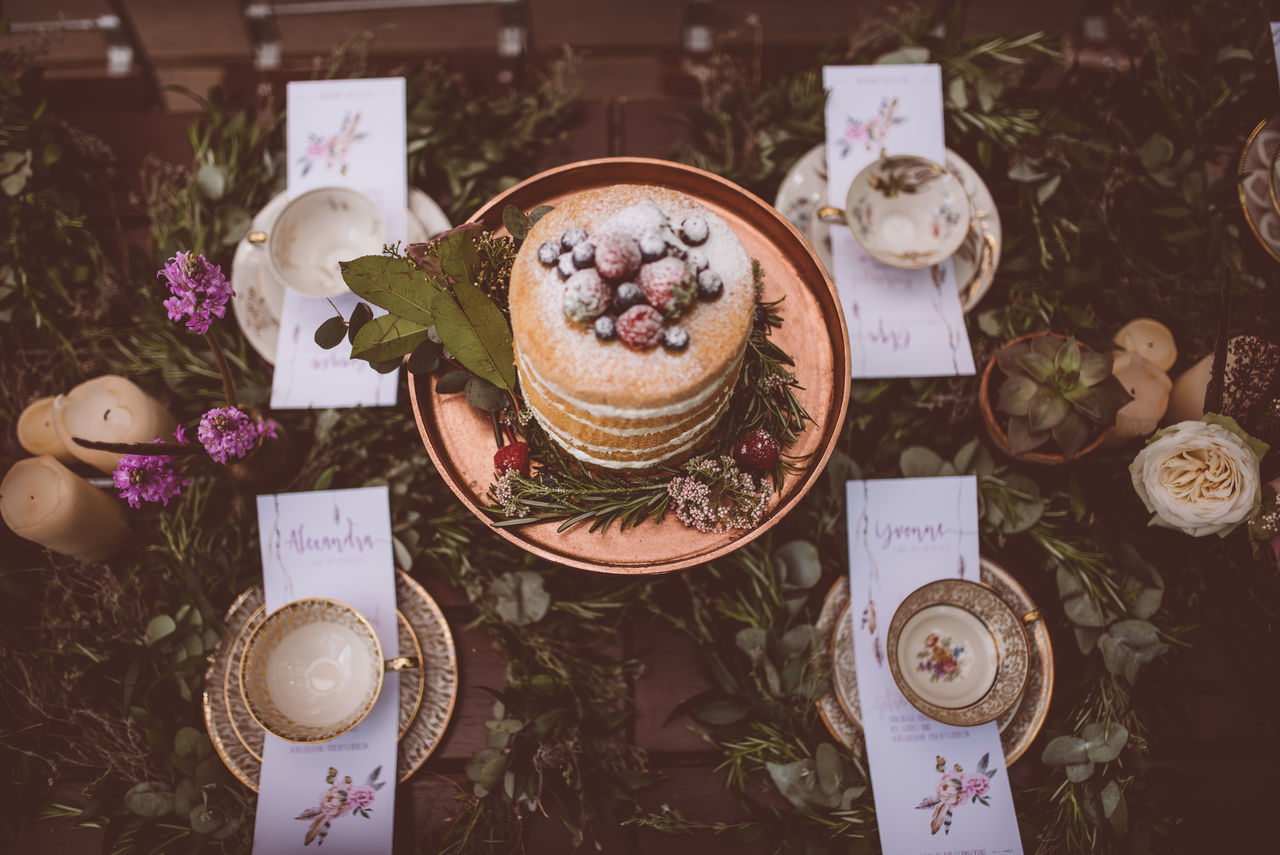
427	694
841	709
1257	199
804	190
987	678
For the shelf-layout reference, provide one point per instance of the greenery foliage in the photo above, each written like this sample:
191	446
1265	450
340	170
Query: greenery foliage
1113	208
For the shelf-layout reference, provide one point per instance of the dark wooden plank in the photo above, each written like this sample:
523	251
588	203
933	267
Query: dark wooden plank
672	673
652	127
478	665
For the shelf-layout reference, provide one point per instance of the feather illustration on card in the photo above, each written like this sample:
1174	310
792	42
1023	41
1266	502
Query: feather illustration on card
953	789
342	798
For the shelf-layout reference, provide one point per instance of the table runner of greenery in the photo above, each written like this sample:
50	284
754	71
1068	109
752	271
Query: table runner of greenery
1118	199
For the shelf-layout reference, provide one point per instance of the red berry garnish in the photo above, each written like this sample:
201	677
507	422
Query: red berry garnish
512	457
756	450
617	255
640	327
667	285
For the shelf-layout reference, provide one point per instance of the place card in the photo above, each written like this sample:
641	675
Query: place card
347	133
937	788
339	793
902	323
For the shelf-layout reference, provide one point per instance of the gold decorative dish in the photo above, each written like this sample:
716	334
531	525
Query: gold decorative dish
459	438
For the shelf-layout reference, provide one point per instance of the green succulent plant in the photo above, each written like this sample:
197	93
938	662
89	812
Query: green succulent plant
1054	389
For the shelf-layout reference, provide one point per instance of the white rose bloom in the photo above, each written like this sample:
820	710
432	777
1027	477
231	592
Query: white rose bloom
1200	476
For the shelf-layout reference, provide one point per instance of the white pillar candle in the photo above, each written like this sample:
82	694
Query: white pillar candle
44	501
1186	401
1150	339
37	434
109	409
1149	386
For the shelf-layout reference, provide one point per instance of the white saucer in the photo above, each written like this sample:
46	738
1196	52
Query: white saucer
804	191
259	296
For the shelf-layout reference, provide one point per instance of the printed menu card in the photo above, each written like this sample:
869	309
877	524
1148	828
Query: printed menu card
340	133
937	788
902	323
339	793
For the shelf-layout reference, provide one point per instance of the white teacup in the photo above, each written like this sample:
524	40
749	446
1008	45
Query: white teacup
957	651
312	670
317	230
906	211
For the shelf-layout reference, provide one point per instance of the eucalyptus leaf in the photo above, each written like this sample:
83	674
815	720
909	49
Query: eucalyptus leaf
1106	740
160	627
386	366
485	396
516	222
185	741
721	713
149	799
1156	151
186	796
904	56
538	213
801	638
1083	610
1115	655
519	597
753	641
360	316
388	337
205	819
1064	750
211	178
1079	772
916	461
486	768
425	357
798	563
1086	638
331	333
830	768
452	381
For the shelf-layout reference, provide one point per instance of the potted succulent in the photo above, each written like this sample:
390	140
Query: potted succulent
1055	393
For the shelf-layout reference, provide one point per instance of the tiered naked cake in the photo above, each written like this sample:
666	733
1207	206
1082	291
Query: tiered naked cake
630	307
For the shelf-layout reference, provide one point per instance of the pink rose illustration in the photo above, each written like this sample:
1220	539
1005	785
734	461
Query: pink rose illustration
953	789
341	799
976	785
362	796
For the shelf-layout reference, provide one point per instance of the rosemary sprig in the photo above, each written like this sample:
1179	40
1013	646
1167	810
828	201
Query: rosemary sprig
578	497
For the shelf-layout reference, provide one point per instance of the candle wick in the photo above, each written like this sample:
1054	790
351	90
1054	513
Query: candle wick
106	415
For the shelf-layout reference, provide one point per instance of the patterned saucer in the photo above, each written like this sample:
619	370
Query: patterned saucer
804	191
1257	185
979	639
427	695
259	296
841	709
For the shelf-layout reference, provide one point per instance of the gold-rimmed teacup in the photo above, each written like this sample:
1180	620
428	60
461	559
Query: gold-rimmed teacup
958	652
312	670
907	211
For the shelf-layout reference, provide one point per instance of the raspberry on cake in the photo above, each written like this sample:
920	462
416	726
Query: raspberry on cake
629	358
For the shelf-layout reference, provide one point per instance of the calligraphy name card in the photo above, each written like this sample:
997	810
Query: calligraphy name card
345	133
339	793
937	788
902	323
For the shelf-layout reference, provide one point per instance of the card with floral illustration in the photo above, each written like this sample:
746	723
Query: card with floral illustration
902	323
937	788
332	796
346	133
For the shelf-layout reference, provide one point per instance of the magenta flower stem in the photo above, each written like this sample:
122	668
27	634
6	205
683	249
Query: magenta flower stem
228	386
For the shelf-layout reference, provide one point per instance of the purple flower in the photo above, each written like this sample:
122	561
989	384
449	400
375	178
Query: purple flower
200	291
229	433
148	477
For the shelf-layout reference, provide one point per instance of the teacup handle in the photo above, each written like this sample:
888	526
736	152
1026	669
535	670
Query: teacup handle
256	238
831	214
403	663
1031	617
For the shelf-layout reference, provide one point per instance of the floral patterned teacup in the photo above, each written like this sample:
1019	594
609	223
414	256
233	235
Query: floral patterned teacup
312	670
316	231
958	652
906	211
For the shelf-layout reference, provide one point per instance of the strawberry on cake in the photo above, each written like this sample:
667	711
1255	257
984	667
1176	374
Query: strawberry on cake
630	307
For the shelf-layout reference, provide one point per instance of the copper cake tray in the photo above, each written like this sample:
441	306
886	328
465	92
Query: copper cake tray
459	438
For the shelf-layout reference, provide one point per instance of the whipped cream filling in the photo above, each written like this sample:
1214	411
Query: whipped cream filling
607	411
532	379
688	439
